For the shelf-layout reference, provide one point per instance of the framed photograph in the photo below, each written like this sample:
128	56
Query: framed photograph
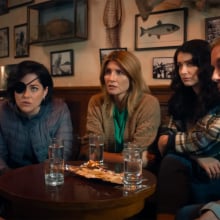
212	28
162	29
21	46
163	67
103	52
3	7
4	42
4	72
62	63
18	3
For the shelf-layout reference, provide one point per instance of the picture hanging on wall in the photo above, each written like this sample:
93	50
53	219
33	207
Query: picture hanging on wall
4	42
3	7
20	41
162	29
62	63
212	28
162	67
5	71
103	52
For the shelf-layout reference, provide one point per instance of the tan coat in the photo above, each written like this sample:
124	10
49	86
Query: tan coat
141	128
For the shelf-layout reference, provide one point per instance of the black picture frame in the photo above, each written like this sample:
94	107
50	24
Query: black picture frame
4	43
162	30
212	28
18	3
62	63
103	52
21	45
163	67
3	7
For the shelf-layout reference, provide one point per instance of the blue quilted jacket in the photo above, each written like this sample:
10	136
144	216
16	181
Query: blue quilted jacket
25	141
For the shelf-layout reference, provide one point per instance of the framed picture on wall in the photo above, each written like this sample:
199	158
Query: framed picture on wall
18	3
62	63
3	7
163	67
212	28
103	52
4	42
21	46
162	29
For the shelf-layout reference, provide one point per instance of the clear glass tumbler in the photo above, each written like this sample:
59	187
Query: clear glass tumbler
132	169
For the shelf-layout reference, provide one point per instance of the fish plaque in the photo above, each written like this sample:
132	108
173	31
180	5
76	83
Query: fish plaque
162	29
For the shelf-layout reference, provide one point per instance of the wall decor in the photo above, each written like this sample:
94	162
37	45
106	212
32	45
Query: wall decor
62	63
4	72
162	29
18	3
21	46
212	28
103	52
163	67
3	7
4	42
58	21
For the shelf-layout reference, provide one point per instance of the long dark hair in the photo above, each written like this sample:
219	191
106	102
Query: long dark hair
27	67
185	104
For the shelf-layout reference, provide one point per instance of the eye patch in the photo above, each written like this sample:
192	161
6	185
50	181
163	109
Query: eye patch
20	87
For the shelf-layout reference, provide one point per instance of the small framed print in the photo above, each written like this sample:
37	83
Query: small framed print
20	41
212	28
3	7
62	63
163	67
4	42
103	52
162	29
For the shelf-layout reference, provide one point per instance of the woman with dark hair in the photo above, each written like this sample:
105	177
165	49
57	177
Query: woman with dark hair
191	138
125	111
30	118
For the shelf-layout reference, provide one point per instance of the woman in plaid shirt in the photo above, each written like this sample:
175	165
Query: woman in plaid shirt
190	142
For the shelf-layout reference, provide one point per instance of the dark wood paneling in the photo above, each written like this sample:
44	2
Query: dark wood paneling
77	99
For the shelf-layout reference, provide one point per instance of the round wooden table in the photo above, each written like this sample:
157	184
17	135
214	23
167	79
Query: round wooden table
78	198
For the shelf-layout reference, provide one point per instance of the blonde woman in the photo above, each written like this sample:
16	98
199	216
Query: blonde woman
125	111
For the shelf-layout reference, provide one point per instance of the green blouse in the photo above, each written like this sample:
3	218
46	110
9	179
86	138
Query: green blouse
120	118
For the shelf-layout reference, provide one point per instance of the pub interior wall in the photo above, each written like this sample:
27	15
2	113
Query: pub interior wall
86	53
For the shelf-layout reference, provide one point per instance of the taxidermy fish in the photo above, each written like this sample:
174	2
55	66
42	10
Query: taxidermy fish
159	29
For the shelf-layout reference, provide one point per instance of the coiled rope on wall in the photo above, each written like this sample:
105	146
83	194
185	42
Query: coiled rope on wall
112	21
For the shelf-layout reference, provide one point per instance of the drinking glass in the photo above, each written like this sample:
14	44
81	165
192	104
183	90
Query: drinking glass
132	179
96	148
54	166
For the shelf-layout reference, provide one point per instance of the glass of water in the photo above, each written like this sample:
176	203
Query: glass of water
132	168
54	166
96	148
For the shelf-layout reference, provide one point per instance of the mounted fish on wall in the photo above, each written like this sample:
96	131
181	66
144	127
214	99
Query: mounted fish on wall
162	29
159	29
145	7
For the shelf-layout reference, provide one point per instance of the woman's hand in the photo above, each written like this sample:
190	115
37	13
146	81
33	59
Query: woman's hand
211	166
162	143
113	157
208	215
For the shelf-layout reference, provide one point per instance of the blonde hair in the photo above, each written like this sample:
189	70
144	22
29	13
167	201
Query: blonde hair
215	42
132	68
